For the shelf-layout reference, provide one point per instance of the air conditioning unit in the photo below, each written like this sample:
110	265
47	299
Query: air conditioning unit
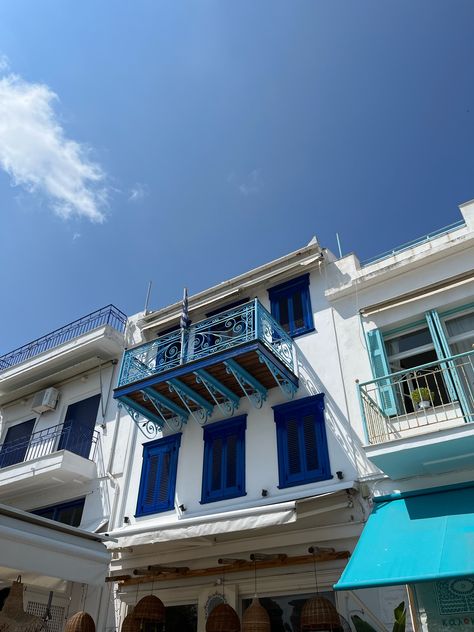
45	401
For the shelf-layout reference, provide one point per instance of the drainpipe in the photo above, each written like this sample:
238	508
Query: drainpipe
113	480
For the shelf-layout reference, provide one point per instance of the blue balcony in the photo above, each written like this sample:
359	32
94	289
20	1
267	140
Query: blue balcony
241	352
109	315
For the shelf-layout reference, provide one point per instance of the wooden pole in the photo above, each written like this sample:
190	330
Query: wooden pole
280	562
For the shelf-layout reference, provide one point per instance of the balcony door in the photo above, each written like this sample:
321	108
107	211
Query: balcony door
78	427
16	443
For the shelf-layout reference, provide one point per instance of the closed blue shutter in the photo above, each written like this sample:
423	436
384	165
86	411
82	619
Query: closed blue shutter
450	373
158	479
379	362
224	460
302	445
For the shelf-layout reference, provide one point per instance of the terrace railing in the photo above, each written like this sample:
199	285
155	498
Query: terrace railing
427	397
415	242
226	330
76	438
109	315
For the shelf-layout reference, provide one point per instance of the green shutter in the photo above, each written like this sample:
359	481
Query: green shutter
379	362
450	373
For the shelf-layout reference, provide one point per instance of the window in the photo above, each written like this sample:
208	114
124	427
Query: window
413	353
224	460
291	305
15	445
79	425
67	513
301	439
158	479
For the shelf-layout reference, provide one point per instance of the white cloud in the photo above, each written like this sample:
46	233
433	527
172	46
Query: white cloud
76	236
138	192
38	156
252	184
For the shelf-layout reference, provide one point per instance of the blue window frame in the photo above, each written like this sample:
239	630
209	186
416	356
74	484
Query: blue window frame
67	513
302	444
158	479
224	460
291	305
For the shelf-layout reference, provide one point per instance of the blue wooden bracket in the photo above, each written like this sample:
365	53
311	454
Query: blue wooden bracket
164	406
226	400
188	396
151	424
287	387
255	392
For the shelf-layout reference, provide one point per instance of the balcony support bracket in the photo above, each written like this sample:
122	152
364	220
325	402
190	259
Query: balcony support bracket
255	392
225	399
287	387
164	407
190	398
150	425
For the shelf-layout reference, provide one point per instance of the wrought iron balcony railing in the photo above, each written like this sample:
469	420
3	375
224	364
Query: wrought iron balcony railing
227	330
74	438
109	315
427	397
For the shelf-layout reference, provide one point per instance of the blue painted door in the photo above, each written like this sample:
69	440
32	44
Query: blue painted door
16	443
78	427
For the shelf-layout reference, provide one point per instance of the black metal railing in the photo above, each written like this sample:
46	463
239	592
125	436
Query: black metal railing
74	437
108	315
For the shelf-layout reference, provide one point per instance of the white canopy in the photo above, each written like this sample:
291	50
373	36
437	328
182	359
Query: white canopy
31	544
238	520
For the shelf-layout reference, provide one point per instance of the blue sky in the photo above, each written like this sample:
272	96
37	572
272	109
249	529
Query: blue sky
189	141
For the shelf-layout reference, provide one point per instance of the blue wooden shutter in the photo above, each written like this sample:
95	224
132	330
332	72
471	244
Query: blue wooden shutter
295	446
158	480
450	373
379	362
310	443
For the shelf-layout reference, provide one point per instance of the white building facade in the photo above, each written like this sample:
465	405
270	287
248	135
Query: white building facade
240	445
59	466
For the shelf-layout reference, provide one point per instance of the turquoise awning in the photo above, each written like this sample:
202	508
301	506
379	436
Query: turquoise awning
414	537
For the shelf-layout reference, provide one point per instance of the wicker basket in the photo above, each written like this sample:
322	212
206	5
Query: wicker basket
13	617
150	608
223	619
255	618
80	622
319	613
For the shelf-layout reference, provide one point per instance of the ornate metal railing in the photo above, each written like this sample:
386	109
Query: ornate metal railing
109	315
75	438
227	330
414	400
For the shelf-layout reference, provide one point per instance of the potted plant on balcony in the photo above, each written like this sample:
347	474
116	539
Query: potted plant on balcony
422	397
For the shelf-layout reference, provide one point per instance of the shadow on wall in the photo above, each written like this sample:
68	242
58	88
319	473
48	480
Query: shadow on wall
336	421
